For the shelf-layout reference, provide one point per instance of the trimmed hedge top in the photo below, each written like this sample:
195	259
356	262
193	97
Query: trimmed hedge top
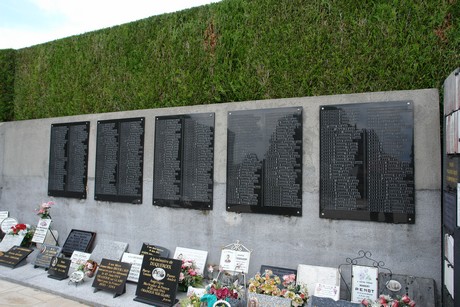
236	50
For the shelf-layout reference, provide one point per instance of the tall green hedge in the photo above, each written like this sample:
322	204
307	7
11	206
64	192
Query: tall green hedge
7	64
238	50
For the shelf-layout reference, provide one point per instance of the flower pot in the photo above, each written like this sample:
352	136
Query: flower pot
268	300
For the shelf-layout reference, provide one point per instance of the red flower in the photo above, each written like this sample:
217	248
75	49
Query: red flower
395	303
365	302
382	300
412	304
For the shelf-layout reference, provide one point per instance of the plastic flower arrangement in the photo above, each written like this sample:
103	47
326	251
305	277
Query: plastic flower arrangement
270	284
216	291
23	229
44	210
189	275
387	301
191	301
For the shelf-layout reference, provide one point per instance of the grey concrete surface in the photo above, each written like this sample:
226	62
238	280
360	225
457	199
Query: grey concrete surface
275	240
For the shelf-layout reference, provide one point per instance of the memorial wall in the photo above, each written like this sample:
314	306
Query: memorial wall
309	180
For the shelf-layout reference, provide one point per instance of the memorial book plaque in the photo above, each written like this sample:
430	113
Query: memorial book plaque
15	257
47	252
264	161
367	162
158	281
120	160
59	268
183	162
154	250
111	276
280	272
78	240
68	162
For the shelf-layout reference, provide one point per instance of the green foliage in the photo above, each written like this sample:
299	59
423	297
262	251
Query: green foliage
7	59
238	50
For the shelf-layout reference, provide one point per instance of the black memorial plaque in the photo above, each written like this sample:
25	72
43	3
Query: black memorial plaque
59	268
452	167
120	160
68	162
158	281
15	256
367	162
111	276
47	252
264	161
184	159
280	272
78	240
154	250
449	211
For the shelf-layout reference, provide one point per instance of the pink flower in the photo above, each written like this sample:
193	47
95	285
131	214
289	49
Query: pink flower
181	276
210	269
412	304
191	272
365	302
395	303
405	299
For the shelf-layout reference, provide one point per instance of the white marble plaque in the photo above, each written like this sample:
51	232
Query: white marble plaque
136	264
310	275
39	235
112	250
7	223
235	261
78	258
364	283
11	240
196	255
44	223
330	291
449	278
3	215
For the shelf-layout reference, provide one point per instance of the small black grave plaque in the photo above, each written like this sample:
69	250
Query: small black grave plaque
111	276
68	163
264	161
59	268
154	250
120	160
78	240
449	211
367	162
158	281
280	272
452	173
184	159
47	252
15	256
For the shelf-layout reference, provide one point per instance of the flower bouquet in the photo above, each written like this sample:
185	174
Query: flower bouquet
23	229
217	291
44	210
189	275
387	301
270	285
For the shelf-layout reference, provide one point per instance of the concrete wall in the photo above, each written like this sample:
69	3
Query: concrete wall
275	240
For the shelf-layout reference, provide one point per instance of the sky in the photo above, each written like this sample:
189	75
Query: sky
25	23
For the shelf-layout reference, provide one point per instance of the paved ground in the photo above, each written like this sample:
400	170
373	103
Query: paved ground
12	294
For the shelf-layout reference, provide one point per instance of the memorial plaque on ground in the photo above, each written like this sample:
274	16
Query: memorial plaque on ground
15	257
68	164
10	240
264	161
158	281
41	230
111	276
78	240
154	250
112	250
449	211
119	160
198	256
184	159
78	259
59	268
136	264
367	162
47	252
